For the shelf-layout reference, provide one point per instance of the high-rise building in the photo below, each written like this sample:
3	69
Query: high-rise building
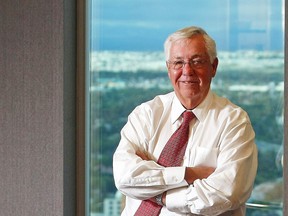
112	206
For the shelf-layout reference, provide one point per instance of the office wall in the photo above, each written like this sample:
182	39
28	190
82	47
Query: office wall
37	107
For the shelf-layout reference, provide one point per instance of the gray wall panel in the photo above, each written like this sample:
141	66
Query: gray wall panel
32	112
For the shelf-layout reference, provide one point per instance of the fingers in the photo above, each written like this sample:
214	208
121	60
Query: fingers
142	155
193	173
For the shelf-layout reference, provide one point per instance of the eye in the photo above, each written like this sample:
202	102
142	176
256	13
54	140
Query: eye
178	63
197	61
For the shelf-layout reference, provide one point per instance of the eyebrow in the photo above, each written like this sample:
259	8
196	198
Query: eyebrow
192	57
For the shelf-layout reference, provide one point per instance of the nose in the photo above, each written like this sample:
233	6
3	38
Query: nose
187	69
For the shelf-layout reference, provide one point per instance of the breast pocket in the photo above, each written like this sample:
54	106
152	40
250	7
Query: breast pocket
205	156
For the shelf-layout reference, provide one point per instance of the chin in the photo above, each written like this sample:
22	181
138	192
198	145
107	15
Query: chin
190	95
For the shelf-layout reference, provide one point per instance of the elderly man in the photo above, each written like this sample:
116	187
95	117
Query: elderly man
189	152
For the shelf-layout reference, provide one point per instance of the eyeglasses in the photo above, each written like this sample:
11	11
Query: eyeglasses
196	63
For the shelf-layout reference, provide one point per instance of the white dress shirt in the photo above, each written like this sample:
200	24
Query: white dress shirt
221	136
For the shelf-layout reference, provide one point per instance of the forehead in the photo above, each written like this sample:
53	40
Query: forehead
188	47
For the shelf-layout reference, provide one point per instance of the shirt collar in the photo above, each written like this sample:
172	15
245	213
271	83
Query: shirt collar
177	109
200	111
203	108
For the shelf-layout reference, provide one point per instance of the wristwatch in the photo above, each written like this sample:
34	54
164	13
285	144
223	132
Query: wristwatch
158	199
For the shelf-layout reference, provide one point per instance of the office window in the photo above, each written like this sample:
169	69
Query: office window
127	67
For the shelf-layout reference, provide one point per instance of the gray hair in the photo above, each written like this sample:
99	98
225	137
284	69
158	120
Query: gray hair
188	32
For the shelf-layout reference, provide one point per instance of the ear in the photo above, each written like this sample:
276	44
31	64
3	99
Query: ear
214	66
169	74
168	70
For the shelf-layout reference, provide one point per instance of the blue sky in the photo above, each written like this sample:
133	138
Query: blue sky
144	25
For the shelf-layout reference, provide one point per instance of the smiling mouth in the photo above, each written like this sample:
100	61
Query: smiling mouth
188	82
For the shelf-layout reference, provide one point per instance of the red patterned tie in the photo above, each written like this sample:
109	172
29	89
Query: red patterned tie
171	156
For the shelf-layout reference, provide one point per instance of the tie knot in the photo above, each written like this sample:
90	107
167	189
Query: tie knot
188	116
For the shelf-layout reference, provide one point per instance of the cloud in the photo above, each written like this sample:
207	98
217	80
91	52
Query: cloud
127	24
123	24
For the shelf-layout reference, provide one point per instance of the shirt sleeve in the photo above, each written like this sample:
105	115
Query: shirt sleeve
137	178
230	185
176	200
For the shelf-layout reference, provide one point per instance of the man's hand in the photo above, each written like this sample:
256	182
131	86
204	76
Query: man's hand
146	157
201	172
191	173
142	155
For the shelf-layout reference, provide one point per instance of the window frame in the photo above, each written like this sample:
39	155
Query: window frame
285	151
82	111
82	108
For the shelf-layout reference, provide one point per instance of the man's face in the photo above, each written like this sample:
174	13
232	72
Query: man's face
191	82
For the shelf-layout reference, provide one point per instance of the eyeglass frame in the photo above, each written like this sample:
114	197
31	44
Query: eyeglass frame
195	63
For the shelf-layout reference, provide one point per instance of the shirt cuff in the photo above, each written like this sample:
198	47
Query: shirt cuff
176	200
174	175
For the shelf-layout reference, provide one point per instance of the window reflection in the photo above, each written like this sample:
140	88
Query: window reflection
128	67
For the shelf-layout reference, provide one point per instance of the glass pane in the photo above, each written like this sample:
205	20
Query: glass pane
128	67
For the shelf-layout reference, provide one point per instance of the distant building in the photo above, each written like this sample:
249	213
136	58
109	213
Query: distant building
112	206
